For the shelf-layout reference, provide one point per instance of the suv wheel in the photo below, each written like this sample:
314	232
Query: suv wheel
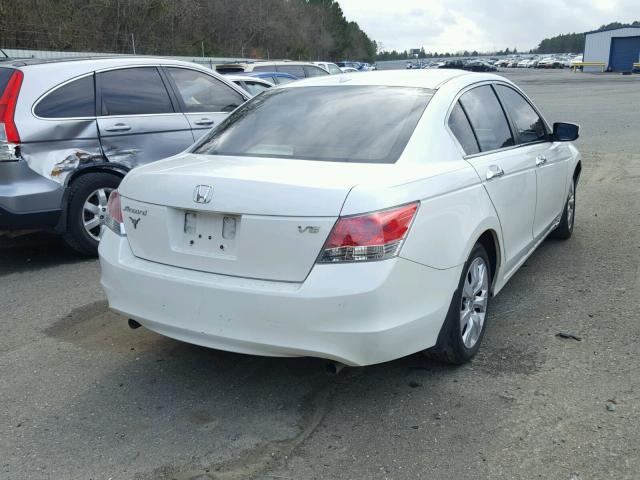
87	209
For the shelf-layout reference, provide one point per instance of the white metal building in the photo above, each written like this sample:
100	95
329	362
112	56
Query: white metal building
618	48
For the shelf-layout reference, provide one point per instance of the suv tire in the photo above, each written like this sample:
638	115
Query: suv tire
85	223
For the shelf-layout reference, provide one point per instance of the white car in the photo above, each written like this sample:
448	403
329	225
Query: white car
349	70
252	85
332	68
358	218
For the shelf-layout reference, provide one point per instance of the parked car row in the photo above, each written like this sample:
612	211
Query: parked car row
490	64
297	69
539	61
357	66
471	65
344	211
71	129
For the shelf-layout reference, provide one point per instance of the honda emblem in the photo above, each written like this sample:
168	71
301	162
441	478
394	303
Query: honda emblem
203	194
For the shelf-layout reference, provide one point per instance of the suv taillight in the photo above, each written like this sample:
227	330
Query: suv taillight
8	102
114	219
373	236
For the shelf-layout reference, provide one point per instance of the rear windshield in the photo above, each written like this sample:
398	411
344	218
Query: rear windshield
5	75
366	124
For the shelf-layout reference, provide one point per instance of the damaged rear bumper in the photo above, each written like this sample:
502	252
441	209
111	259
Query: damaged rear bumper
27	200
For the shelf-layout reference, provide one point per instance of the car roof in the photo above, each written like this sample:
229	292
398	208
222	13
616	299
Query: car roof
97	62
432	78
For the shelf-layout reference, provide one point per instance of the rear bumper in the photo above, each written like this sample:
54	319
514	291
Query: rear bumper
27	200
358	314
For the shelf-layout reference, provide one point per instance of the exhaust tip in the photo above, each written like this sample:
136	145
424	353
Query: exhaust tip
333	368
133	324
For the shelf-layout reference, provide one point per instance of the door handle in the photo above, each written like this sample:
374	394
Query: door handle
540	160
204	121
494	171
118	127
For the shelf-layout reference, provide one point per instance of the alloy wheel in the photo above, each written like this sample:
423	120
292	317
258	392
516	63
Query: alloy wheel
94	212
571	205
475	298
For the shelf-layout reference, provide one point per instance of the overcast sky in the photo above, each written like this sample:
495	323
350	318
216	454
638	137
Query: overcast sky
483	25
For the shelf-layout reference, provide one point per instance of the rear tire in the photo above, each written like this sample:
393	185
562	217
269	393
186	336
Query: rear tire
564	230
464	327
86	210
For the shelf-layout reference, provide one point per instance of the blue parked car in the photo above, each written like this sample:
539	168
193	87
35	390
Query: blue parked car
276	78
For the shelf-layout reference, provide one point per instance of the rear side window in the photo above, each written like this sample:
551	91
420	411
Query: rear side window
295	70
134	91
200	92
254	88
461	128
281	80
529	125
487	118
264	68
315	71
322	123
75	99
334	70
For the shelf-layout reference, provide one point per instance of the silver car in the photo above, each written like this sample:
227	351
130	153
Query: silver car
71	129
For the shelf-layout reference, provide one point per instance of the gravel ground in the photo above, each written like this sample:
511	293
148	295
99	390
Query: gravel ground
84	397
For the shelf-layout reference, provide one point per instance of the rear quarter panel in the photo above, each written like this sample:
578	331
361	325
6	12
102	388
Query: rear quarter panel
455	209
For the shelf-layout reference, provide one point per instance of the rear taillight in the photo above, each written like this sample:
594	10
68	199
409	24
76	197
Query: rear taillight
114	219
8	102
373	236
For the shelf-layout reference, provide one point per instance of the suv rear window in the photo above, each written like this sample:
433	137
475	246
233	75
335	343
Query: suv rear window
5	75
75	99
322	123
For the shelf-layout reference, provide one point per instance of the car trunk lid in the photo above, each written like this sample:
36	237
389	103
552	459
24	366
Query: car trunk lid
247	217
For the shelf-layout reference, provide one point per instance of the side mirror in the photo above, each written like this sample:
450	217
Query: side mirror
565	132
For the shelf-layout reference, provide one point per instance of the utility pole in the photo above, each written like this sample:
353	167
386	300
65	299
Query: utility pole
133	43
202	45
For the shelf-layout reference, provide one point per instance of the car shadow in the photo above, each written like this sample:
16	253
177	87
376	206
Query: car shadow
35	251
198	406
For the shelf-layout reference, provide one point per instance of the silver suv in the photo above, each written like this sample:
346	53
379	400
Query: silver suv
71	129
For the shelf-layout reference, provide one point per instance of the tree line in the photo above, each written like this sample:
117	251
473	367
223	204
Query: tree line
293	29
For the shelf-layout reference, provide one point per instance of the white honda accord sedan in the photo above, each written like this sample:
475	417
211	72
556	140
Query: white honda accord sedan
358	218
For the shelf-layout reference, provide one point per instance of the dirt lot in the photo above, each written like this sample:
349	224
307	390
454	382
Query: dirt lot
84	397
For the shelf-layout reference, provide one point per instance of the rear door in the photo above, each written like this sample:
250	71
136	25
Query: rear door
551	159
204	99
62	130
508	176
139	122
